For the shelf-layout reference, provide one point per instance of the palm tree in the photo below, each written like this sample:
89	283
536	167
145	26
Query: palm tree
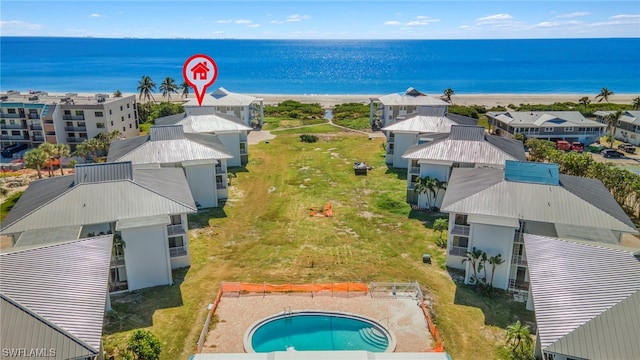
167	87
584	101
82	150
61	150
636	103
448	92
495	261
36	159
519	338
604	95
473	257
426	185
117	93
50	151
185	89
146	86
612	121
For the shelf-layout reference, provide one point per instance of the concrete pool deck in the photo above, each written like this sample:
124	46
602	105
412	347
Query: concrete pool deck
403	317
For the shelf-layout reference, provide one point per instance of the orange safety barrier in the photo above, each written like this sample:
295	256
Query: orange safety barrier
327	211
439	344
206	326
271	288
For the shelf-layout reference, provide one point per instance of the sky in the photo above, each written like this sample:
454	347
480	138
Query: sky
307	19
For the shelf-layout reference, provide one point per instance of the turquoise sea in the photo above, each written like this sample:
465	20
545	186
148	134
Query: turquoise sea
327	66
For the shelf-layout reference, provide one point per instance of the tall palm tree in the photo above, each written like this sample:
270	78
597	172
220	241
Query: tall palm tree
50	150
185	89
426	185
448	92
584	101
146	86
117	93
604	94
495	261
473	257
636	103
168	87
36	159
612	122
61	150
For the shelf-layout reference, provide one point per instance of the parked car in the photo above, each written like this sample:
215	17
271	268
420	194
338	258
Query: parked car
626	147
563	145
596	148
612	153
12	149
577	146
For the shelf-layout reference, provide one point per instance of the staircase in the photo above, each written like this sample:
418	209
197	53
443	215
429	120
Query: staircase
374	337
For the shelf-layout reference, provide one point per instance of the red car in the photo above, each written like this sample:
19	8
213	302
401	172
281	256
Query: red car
577	146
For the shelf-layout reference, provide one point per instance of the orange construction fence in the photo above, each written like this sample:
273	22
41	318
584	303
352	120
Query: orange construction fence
270	288
439	344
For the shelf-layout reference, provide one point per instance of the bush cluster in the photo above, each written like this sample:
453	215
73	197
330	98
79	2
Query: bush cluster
308	138
295	110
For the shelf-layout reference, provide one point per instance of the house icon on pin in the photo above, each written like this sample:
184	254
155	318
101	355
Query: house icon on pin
200	71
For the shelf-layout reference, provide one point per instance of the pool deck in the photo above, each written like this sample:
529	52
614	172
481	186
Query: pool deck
402	317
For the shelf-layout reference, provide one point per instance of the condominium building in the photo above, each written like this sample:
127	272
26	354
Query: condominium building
68	119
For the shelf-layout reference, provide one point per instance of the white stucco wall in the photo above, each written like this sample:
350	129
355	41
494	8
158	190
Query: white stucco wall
437	171
202	183
402	142
146	257
493	240
231	141
453	261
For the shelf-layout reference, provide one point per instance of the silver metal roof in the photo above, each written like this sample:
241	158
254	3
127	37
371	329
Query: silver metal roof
166	132
631	117
41	237
411	97
213	123
152	192
100	172
422	124
483	191
223	97
544	119
467	144
586	298
55	296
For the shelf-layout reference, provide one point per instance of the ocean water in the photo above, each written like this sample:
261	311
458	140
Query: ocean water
327	66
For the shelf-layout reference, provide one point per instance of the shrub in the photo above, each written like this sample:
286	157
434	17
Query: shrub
468	111
144	345
308	138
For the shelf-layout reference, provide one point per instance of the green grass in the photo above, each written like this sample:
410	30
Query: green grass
264	234
8	203
312	129
363	123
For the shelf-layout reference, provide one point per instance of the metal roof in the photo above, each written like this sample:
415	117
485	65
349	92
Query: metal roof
119	148
54	296
152	192
586	298
212	123
170	146
467	144
422	124
411	97
170	120
631	117
223	97
100	172
544	119
484	191
41	237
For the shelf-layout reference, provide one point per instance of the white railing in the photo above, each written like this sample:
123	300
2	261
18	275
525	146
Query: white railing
458	251
220	170
175	229
460	230
220	186
519	260
177	251
518	238
414	170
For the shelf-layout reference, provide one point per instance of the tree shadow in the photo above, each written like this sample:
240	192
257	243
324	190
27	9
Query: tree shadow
135	309
401	174
499	309
201	219
426	217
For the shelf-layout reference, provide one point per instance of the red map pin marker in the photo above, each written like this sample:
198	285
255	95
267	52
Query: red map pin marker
200	71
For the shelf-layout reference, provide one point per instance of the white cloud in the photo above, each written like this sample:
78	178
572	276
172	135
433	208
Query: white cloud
95	15
254	25
420	21
224	21
547	24
574	14
297	18
494	19
392	22
14	27
625	17
243	22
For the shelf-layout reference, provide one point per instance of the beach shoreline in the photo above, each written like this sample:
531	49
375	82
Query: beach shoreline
330	100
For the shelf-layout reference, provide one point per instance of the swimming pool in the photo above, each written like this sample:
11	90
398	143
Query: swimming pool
316	330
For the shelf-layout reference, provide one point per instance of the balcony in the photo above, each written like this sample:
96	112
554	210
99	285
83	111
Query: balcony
414	170
14	137
177	251
220	186
458	251
9	116
520	260
460	230
117	260
220	170
518	237
38	138
176	229
75	128
33	116
35	127
73	117
75	140
11	126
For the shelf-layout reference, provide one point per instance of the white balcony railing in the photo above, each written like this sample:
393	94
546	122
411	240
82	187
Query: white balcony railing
175	229
414	170
177	251
458	251
460	230
519	260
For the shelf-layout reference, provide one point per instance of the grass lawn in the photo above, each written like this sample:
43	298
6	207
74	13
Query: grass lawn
264	234
8	203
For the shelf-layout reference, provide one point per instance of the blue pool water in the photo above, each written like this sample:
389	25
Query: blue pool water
318	331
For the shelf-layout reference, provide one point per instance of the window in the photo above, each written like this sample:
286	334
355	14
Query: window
136	124
111	122
568	129
461	219
99	114
176	219
176	246
129	116
67	112
100	125
12	122
79	113
124	129
461	241
548	129
11	111
120	107
130	126
127	105
122	118
110	112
